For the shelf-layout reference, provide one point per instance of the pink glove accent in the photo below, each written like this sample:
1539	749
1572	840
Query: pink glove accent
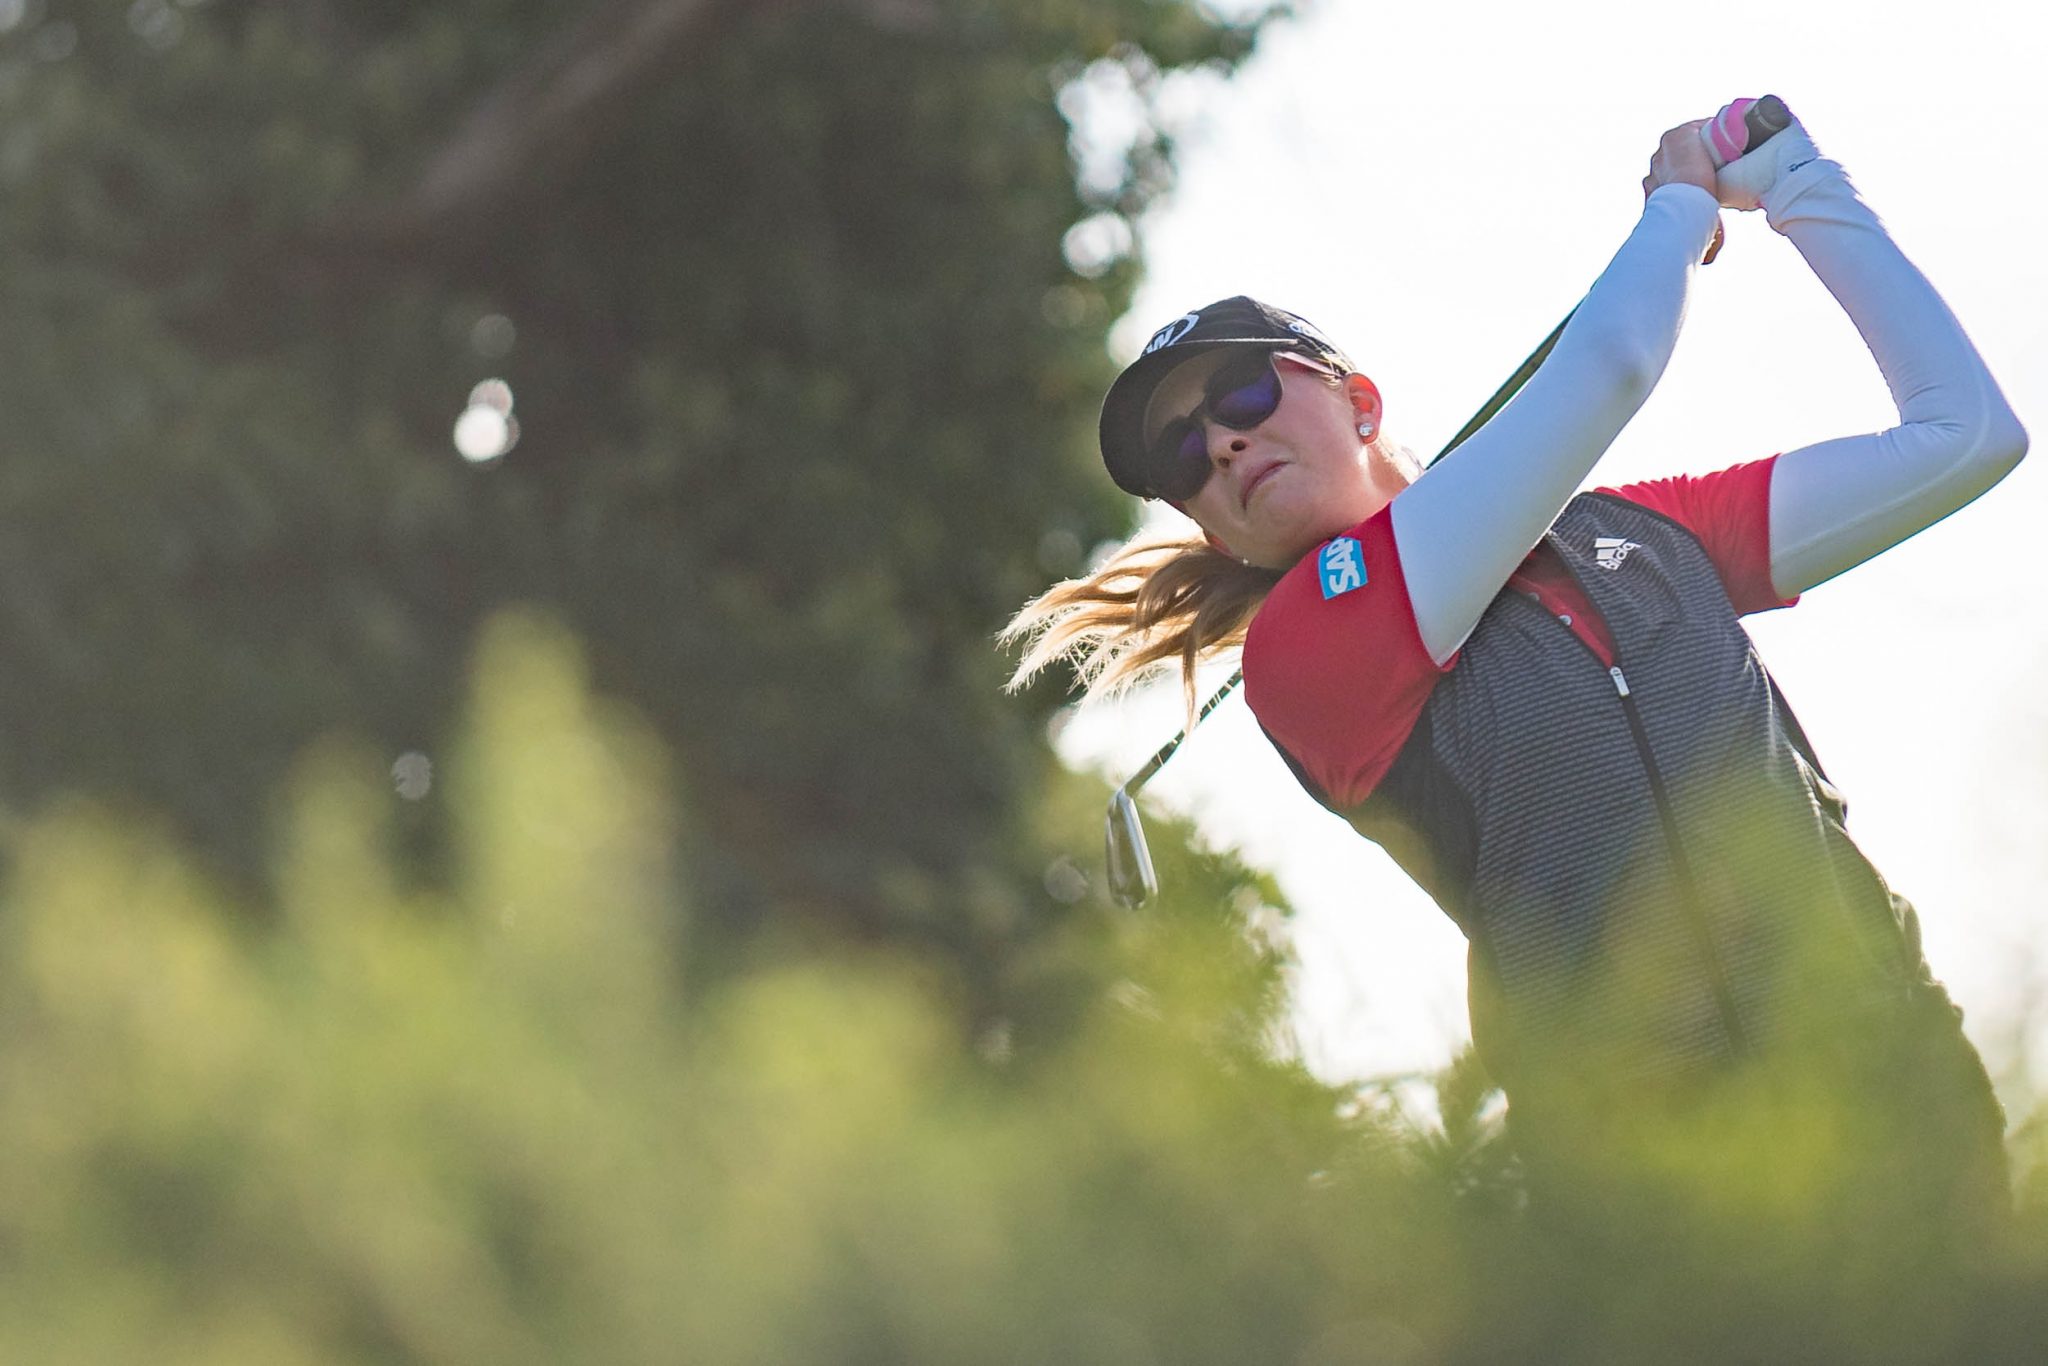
1726	135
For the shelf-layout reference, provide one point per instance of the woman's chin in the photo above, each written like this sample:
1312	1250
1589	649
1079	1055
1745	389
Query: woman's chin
1284	552
1288	538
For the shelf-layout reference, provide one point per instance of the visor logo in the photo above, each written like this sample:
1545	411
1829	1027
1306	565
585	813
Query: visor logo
1172	332
1341	566
1304	328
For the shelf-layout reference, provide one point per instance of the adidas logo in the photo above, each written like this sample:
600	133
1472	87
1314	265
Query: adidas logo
1610	551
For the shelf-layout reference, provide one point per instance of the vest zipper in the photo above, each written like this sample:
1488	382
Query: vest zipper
1695	916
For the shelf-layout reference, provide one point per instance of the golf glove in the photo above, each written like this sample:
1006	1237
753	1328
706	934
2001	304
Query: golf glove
1748	181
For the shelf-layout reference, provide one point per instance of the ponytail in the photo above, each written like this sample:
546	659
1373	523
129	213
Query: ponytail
1157	599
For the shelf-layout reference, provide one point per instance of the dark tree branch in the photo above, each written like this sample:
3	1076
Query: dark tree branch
574	90
577	90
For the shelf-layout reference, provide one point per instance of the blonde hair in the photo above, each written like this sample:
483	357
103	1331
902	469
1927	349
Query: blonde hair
1159	598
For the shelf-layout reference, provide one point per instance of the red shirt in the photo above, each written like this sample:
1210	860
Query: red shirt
1340	683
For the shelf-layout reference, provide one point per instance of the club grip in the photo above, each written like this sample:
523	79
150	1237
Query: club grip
1744	125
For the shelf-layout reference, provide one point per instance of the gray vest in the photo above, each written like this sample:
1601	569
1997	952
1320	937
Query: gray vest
1648	862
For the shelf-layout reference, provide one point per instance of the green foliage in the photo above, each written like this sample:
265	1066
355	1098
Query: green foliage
805	382
502	1123
493	1125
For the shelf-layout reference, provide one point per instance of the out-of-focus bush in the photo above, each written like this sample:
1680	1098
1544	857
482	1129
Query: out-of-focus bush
500	1123
493	1124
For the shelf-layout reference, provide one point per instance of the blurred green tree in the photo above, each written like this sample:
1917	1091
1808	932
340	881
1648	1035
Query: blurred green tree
799	309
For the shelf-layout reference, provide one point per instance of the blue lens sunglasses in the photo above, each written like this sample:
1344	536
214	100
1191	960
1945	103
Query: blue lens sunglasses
1244	392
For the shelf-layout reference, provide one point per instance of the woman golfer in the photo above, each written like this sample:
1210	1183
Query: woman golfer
1544	706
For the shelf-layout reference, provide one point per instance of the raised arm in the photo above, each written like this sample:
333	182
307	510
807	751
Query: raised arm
1466	523
1837	503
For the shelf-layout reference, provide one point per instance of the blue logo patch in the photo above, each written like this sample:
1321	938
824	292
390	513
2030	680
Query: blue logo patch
1341	566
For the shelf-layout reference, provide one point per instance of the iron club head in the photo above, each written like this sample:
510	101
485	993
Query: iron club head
1131	878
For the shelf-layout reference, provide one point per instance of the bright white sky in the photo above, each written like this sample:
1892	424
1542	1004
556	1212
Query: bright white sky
1434	186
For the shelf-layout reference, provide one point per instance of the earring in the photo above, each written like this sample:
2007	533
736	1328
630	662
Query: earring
1366	429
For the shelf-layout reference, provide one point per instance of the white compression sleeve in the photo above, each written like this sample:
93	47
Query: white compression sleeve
1837	503
1465	525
